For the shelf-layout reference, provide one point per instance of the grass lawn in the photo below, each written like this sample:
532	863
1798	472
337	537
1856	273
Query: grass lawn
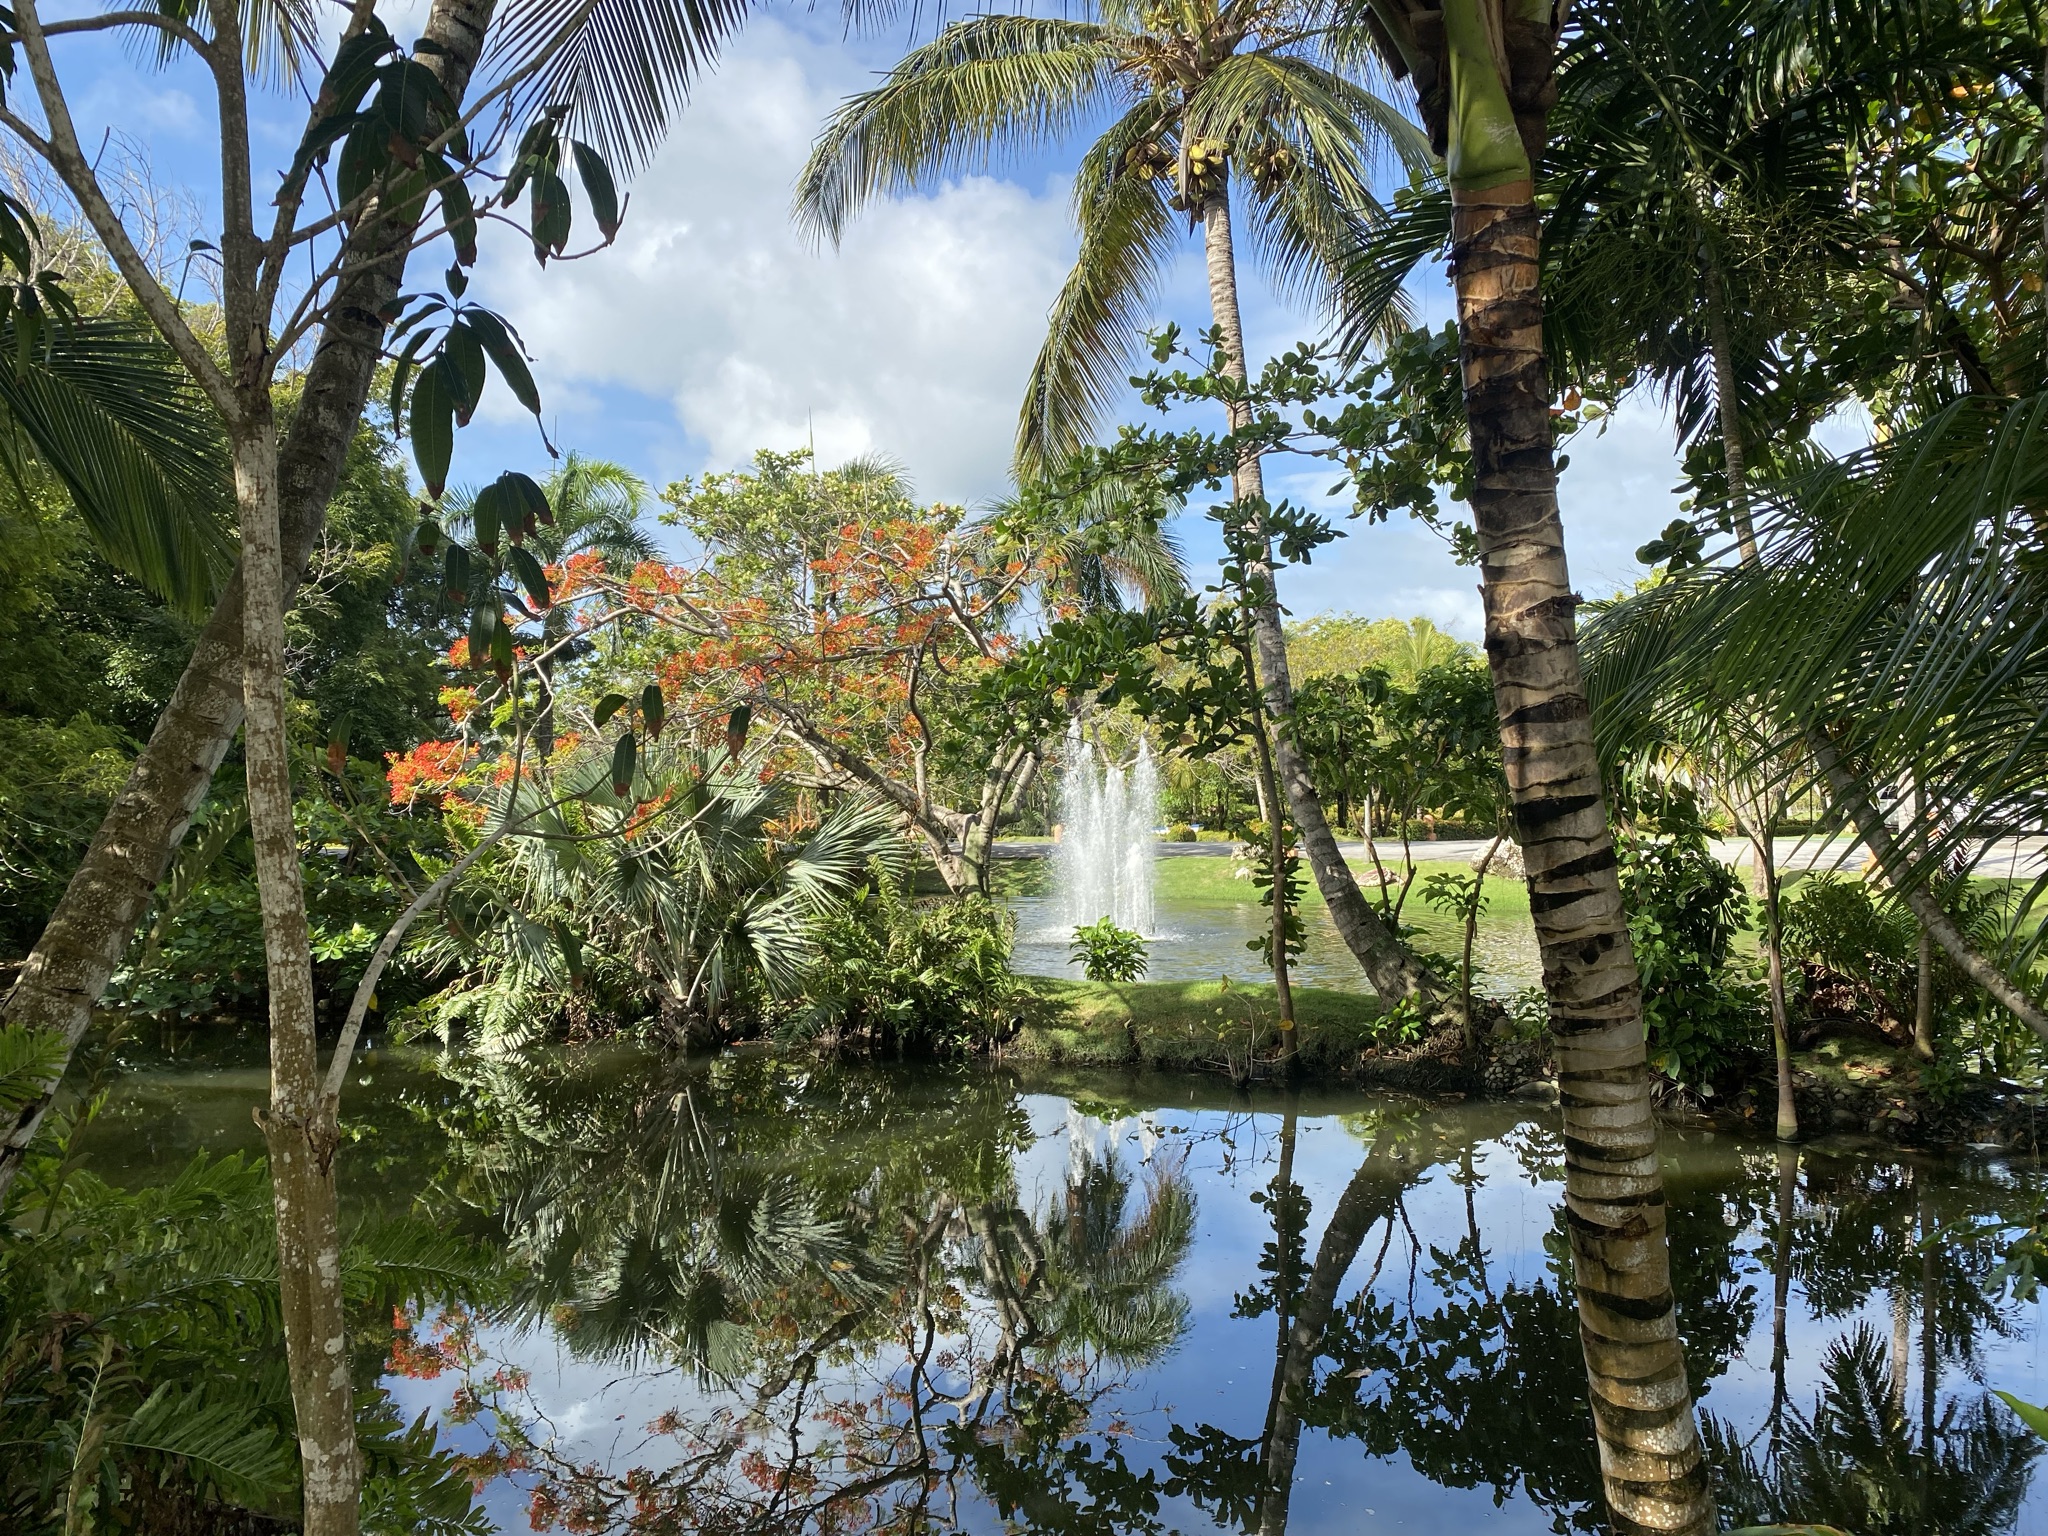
1185	1025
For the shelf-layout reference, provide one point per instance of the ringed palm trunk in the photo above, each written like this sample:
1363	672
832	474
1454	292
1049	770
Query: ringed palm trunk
1485	68
64	976
1394	973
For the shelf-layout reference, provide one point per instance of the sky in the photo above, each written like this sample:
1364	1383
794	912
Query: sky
712	328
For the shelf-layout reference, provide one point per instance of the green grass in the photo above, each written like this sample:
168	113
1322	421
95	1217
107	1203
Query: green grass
1185	1025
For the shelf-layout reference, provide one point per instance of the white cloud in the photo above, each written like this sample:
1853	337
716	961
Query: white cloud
914	339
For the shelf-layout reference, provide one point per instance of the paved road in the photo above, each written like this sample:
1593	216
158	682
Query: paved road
2016	858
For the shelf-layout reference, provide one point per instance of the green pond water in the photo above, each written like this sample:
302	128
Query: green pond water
747	1294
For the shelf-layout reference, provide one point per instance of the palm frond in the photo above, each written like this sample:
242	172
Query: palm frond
984	87
623	68
115	418
1128	233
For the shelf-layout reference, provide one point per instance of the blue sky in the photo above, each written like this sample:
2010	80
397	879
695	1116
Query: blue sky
711	329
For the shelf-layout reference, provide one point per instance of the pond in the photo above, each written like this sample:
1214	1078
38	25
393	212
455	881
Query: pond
751	1294
1208	918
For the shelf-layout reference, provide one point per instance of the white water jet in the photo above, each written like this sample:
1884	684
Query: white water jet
1103	861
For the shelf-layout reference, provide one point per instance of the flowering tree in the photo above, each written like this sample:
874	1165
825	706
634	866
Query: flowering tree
858	625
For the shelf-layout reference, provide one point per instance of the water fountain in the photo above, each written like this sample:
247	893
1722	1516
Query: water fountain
1103	862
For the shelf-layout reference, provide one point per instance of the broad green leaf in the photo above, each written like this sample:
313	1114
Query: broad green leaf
433	426
608	706
624	756
504	351
531	577
653	708
599	188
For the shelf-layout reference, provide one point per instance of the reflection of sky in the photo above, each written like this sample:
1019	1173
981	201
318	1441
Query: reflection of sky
1221	1370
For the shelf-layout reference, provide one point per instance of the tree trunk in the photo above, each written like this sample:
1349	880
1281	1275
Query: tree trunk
62	980
299	1127
1276	857
1854	800
1650	1456
1774	969
1395	974
1757	810
1781	1275
1369	1196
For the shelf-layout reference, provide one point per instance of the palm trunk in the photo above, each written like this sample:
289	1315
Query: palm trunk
1276	855
300	1127
64	976
1369	1196
1649	1441
1781	1276
1757	806
1394	973
1774	969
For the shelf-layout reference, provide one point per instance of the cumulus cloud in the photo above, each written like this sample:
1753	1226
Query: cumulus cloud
913	339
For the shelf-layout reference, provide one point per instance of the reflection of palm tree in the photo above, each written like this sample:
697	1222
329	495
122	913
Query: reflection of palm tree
1854	1462
1106	1282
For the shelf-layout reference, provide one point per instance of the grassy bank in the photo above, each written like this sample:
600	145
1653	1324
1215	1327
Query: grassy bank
1186	1025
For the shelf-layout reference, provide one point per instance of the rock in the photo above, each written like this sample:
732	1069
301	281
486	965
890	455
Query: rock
1536	1090
1507	862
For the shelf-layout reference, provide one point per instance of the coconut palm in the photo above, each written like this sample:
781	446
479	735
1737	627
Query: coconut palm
1221	110
1484	75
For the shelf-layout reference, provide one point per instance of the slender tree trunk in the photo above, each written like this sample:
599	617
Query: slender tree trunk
1285	1209
1276	855
1781	1274
1394	973
299	1127
1774	971
1649	1442
64	976
1727	406
1369	1196
1854	800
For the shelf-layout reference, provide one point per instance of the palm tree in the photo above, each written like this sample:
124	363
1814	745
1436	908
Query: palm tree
1222	109
1484	76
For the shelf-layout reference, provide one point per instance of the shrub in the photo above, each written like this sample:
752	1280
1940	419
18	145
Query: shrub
1180	832
1684	909
1109	953
908	975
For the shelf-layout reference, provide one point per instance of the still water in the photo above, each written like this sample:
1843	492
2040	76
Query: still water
750	1295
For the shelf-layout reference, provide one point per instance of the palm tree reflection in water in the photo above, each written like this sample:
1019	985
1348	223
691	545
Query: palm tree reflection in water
876	1327
867	1349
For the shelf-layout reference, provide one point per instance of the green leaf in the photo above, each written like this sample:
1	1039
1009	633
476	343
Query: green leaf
463	354
433	426
549	213
531	576
599	187
524	493
2034	1418
608	706
504	351
487	516
624	756
653	708
455	574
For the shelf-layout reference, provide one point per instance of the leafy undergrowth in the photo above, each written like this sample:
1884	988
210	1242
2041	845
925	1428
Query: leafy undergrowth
1204	1026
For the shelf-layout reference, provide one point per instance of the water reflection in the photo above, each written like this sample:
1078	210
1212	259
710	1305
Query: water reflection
757	1297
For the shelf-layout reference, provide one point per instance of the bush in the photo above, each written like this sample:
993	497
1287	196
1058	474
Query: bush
1180	832
1684	909
901	974
1109	953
